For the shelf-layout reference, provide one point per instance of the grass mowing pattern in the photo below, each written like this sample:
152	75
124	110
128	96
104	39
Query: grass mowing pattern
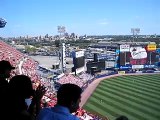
137	97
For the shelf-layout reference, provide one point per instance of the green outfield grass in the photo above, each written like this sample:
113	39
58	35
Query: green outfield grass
137	97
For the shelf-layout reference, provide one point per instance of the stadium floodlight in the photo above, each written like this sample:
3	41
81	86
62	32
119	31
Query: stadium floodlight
135	32
61	30
132	30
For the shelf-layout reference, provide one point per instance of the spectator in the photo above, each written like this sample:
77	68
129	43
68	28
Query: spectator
20	89
68	99
5	70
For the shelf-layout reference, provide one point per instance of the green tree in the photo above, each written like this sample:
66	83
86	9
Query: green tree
57	43
30	49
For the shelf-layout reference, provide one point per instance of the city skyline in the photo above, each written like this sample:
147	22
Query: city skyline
91	17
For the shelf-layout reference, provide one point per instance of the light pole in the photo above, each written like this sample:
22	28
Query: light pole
61	30
135	32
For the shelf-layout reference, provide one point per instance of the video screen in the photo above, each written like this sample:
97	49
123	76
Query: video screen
79	62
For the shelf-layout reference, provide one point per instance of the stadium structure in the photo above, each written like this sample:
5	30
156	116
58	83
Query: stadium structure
78	61
128	75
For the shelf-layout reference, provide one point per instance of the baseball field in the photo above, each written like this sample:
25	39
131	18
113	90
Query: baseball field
134	96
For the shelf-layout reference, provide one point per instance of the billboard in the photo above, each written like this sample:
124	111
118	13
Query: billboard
124	48
137	66
79	54
78	61
149	66
76	54
151	47
138	52
158	50
117	59
121	72
128	66
138	55
100	65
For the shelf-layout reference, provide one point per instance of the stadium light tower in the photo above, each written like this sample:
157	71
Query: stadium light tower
62	30
135	32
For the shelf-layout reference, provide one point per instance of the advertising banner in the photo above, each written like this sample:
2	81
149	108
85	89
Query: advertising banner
76	54
126	67
138	55
137	66
158	50
117	52
151	47
149	66
121	72
124	48
79	54
117	58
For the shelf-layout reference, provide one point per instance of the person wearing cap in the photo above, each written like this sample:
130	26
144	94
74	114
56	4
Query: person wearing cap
5	70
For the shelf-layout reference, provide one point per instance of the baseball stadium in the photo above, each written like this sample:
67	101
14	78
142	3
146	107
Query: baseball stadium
80	60
129	88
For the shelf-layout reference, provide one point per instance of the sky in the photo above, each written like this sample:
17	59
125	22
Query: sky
90	17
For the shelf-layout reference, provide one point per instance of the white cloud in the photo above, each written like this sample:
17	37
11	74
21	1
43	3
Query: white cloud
103	23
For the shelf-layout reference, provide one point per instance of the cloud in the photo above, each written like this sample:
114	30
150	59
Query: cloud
103	23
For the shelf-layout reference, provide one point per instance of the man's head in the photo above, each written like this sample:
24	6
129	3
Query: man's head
69	95
5	68
21	85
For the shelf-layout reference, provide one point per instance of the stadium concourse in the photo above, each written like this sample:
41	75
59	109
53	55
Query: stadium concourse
27	66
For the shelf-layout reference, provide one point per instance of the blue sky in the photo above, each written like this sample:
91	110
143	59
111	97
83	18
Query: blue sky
91	17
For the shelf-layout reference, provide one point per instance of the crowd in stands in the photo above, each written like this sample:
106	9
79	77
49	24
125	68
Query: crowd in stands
24	64
27	66
85	115
86	77
71	79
